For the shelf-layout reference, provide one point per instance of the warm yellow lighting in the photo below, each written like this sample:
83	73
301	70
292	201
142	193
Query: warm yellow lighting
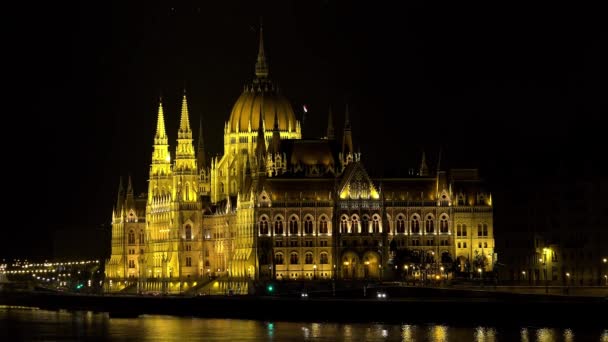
367	262
567	274
314	266
216	284
346	263
437	277
479	270
605	260
523	272
441	268
405	267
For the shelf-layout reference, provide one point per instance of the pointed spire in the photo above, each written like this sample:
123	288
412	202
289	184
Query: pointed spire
330	126
261	68
201	158
276	135
424	169
184	124
260	149
130	187
161	133
347	138
121	196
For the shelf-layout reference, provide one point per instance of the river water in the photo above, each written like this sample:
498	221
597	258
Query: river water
27	324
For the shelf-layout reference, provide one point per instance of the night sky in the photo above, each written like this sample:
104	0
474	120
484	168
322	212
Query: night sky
516	91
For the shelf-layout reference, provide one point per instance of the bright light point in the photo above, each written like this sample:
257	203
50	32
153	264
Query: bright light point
305	108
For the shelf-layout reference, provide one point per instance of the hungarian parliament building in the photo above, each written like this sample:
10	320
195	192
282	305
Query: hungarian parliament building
278	207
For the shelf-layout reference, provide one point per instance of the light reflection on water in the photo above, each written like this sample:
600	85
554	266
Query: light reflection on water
31	324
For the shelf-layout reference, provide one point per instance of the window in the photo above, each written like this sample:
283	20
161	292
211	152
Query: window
188	233
308	225
188	262
278	226
308	258
430	242
464	245
415	242
188	248
323	225
415	225
324	258
376	225
480	245
293	226
141	237
308	243
485	229
293	243
221	187
443	225
444	242
400	225
485	245
354	228
293	259
343	225
459	245
430	225
131	263
365	224
131	237
323	243
278	259
479	230
264	226
278	243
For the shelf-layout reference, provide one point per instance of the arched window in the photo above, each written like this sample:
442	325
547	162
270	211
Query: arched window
294	258
415	225
354	226
459	230
479	230
263	226
308	225
188	232
141	237
278	226
430	225
323	225
464	230
131	237
308	258
365	224
485	229
324	259
343	225
293	226
375	224
400	225
443	224
278	259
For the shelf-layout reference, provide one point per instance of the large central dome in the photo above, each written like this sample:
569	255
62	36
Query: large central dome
247	109
261	96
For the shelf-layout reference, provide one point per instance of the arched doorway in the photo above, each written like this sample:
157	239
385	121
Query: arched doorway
350	262
371	265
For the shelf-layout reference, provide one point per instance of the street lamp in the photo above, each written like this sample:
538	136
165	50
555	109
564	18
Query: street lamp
406	269
314	268
545	252
480	271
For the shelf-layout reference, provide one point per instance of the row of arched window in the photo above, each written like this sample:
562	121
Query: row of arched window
429	224
294	259
352	226
293	226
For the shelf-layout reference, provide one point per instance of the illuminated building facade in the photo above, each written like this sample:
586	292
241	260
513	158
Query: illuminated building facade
276	206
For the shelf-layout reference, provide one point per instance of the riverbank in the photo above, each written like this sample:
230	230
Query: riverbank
530	310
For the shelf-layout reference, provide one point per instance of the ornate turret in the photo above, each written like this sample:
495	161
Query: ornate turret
184	159
276	136
260	149
161	159
120	197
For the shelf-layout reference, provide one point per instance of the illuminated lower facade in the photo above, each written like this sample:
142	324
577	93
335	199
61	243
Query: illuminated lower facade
276	206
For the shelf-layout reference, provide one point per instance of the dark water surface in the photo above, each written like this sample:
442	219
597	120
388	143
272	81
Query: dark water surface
27	324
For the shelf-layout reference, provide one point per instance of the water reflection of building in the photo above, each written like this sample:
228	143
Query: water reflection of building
276	206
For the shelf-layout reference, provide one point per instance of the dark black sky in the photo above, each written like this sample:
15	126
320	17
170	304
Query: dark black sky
514	90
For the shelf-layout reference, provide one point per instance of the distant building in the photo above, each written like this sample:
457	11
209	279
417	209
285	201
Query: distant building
559	236
276	206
